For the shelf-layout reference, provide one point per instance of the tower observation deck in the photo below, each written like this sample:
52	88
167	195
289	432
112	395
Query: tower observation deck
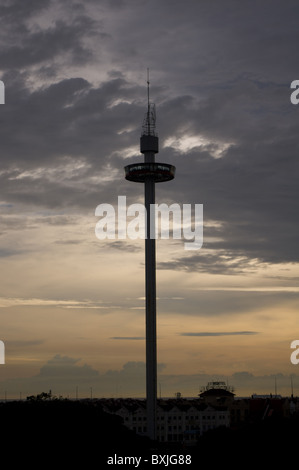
150	172
149	146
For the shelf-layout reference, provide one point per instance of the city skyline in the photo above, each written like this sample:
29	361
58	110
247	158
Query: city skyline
72	306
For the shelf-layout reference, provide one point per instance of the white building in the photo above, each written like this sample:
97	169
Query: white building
177	420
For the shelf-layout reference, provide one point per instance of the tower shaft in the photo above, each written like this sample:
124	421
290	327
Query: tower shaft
150	315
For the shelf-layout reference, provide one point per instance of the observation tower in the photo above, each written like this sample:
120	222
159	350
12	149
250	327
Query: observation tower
150	172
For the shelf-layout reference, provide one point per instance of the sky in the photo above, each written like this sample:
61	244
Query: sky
72	308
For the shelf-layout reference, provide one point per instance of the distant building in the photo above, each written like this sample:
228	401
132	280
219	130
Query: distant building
184	420
217	393
178	420
262	407
239	412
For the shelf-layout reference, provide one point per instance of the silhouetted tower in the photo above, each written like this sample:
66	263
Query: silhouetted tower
150	173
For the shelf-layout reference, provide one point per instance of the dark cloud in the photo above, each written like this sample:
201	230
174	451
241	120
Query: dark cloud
221	333
68	242
62	143
45	45
219	262
16	344
55	220
132	368
67	122
6	252
221	303
14	10
27	40
242	376
119	245
128	337
64	367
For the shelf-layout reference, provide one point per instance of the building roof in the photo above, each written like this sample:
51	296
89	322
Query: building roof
216	392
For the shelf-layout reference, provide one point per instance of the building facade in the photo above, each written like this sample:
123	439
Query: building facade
178	420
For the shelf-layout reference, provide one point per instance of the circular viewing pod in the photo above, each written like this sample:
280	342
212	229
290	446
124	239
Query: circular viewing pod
157	172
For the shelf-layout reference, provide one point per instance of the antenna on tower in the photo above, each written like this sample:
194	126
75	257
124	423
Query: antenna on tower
148	103
148	84
149	123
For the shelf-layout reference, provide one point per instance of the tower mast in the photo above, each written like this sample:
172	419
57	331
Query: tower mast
148	101
150	173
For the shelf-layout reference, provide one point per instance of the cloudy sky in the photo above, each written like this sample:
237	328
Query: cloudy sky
72	306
